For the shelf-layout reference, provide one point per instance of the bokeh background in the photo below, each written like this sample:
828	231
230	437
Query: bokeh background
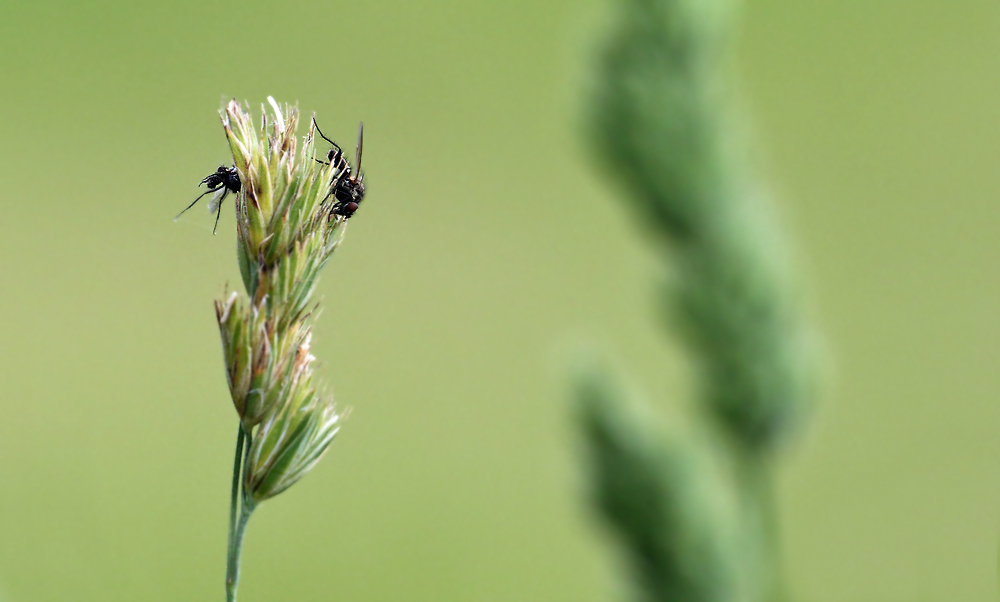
488	249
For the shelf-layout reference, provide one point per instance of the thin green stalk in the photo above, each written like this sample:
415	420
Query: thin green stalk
233	575
234	503
234	498
756	486
238	529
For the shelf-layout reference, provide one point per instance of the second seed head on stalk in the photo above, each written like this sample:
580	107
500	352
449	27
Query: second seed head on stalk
286	232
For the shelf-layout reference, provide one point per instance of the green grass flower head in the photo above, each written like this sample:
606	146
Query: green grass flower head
288	223
286	233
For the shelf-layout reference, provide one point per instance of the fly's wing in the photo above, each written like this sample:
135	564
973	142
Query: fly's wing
361	140
213	204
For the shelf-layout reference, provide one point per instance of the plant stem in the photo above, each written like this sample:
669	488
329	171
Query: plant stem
235	496
237	529
760	515
233	575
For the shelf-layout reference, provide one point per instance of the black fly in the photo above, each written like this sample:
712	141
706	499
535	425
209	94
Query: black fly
226	179
348	188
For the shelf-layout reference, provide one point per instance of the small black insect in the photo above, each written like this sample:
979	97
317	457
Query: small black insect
226	179
348	188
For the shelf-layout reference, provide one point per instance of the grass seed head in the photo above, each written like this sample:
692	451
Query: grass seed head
286	232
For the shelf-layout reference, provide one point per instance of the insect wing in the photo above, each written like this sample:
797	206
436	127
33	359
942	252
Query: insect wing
213	204
361	140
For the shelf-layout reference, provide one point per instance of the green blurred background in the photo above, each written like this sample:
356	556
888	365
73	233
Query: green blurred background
487	249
